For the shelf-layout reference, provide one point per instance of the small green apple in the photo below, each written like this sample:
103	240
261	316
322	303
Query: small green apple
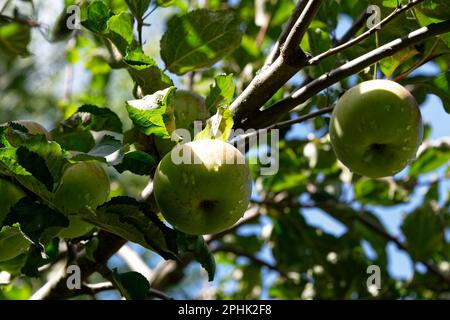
12	242
376	128
76	228
206	194
10	194
184	108
84	184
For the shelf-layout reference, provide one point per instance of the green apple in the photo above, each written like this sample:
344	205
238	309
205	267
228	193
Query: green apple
76	228
12	243
376	128
10	194
84	184
208	192
184	108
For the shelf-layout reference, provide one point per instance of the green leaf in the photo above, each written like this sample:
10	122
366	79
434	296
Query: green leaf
390	64
379	192
440	86
131	220
165	3
138	7
148	113
120	30
218	126
132	285
424	232
430	159
145	72
108	149
97	16
36	165
14	38
34	218
94	118
201	251
137	162
199	39
221	92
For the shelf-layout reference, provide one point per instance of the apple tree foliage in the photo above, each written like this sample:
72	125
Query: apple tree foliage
104	86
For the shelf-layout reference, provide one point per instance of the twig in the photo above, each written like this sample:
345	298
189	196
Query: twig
290	23
280	108
252	258
291	46
94	288
356	26
269	79
366	34
5	6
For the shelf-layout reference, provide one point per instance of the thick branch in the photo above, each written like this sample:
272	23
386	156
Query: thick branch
280	108
271	78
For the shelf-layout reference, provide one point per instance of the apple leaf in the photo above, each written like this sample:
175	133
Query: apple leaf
390	64
132	285
439	85
120	31
137	162
90	117
37	258
14	38
199	39
201	251
97	16
424	232
36	165
380	192
145	72
148	113
108	149
138	7
220	93
34	218
430	159
219	126
131	220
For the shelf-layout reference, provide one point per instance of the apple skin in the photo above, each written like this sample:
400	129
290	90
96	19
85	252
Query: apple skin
184	108
208	195
77	228
84	184
10	194
376	128
12	242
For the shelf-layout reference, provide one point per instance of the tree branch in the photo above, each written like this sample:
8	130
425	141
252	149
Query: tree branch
289	25
270	78
358	24
283	106
94	288
252	258
364	35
